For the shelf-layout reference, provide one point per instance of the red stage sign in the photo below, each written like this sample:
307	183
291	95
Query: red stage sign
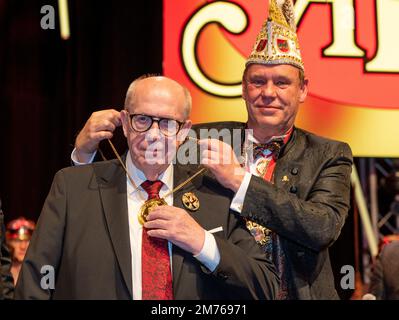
350	49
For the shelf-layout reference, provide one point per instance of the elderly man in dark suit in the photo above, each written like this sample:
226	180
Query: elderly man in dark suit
92	238
6	281
384	283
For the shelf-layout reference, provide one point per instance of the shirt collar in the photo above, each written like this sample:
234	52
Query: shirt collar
138	176
284	137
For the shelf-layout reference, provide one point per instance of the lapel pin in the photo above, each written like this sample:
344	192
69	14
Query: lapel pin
190	201
285	179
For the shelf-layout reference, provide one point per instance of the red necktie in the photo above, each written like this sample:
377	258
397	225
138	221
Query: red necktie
155	261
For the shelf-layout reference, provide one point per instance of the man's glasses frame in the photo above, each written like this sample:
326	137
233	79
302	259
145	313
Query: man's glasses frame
159	121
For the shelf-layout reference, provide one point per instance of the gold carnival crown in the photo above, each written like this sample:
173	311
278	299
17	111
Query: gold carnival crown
277	41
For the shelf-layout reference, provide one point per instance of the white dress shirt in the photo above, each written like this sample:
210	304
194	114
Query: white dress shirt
75	160
209	255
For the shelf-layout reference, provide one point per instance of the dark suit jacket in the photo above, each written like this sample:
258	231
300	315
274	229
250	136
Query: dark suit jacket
6	281
306	206
384	282
83	233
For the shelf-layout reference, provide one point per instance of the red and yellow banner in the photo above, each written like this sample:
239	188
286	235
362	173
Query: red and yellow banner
350	49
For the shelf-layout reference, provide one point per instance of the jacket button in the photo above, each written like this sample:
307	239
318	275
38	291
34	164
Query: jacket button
294	171
223	276
293	189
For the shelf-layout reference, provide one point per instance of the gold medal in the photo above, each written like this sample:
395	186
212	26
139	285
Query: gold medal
190	201
147	207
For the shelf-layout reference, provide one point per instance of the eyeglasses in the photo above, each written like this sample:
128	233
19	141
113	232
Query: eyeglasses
142	123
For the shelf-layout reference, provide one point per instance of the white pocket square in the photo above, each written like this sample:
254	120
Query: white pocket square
218	229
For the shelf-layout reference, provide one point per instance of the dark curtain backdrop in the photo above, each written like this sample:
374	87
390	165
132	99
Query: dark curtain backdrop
49	86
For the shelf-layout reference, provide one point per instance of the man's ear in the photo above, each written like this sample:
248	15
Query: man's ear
304	91
125	122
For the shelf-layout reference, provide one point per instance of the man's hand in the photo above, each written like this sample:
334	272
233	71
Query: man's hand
177	226
98	127
220	158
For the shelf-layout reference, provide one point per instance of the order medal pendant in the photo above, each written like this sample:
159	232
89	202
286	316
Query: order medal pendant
260	233
261	167
147	207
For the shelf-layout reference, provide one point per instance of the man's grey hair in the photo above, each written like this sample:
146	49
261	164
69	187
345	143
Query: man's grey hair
132	89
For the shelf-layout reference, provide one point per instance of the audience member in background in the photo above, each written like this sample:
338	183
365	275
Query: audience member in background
6	284
18	235
384	283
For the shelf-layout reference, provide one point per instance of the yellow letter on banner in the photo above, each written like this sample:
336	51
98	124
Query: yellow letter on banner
343	15
234	20
387	57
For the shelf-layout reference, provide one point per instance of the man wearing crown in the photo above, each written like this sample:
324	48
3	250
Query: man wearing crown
294	191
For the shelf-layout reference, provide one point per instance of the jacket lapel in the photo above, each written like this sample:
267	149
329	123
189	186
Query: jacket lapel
112	186
180	174
288	160
183	172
